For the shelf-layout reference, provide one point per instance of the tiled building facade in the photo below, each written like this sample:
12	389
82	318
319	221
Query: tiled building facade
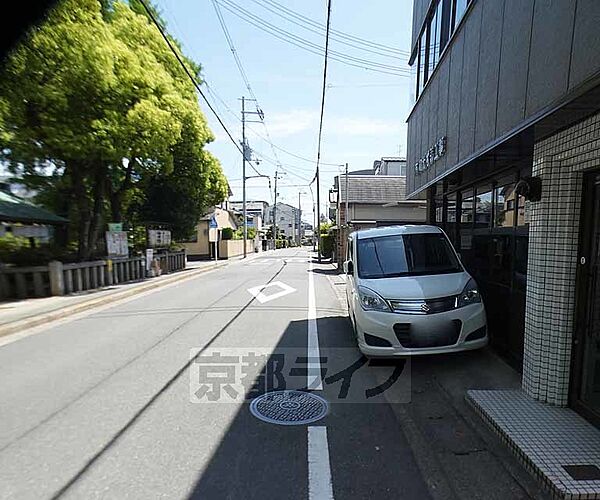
554	257
511	176
504	138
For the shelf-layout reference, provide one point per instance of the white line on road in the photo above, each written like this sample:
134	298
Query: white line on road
319	470
314	381
257	291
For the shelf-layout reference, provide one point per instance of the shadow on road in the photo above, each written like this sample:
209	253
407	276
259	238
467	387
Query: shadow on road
257	460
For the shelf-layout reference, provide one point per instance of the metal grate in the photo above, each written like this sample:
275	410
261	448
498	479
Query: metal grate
426	306
289	407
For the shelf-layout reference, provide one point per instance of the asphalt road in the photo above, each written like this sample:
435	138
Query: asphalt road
110	404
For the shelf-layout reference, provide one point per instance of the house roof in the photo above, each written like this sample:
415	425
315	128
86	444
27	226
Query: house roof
14	209
375	189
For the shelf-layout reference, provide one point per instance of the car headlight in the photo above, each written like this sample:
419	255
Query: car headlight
470	294
370	301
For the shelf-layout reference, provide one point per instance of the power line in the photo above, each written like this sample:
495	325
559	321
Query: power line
236	58
317	28
268	140
335	33
241	12
243	72
189	74
309	46
328	24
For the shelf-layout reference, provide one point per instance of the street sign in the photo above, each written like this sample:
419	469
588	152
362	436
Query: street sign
149	258
159	238
115	226
116	244
213	223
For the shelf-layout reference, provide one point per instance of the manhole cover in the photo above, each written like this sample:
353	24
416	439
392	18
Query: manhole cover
289	407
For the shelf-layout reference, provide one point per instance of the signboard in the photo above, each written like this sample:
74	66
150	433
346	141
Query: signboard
115	226
116	244
149	257
213	234
213	222
434	153
31	231
527	212
159	238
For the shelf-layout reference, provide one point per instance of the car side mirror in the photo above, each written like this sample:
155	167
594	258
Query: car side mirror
349	267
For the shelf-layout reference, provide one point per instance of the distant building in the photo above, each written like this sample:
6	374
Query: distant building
254	208
287	220
373	201
390	165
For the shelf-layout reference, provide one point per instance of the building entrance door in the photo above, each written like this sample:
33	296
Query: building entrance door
585	392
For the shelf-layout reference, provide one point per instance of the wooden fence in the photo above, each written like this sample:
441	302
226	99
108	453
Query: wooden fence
57	278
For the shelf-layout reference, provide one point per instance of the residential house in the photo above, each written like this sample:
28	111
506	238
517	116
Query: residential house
390	165
257	209
372	201
288	218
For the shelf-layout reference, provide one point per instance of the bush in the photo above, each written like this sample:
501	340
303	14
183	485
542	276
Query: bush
239	233
327	242
227	233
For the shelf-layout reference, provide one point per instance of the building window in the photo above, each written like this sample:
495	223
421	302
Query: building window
422	67
483	207
466	208
444	16
451	209
504	206
439	210
522	211
458	11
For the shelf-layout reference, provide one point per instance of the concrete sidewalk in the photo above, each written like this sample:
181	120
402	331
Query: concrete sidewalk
21	314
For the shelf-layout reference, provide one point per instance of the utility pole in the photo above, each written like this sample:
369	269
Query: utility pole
275	214
318	215
247	156
315	225
244	174
346	195
300	218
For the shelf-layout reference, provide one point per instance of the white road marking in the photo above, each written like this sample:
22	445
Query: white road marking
257	291
314	381
319	469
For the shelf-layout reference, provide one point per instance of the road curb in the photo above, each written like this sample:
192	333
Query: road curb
61	313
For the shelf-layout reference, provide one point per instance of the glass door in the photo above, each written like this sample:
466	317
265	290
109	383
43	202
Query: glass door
587	339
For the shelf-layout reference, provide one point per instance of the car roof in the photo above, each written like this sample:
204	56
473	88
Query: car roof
394	230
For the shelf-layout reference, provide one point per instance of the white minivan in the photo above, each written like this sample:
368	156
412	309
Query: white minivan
408	293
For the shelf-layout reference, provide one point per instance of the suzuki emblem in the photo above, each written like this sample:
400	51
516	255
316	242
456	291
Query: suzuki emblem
425	308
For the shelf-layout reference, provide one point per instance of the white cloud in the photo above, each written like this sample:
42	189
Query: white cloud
364	126
302	120
292	122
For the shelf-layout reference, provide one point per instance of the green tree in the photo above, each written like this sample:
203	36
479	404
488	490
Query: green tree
95	97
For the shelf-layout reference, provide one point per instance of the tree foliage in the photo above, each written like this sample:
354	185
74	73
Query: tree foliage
97	113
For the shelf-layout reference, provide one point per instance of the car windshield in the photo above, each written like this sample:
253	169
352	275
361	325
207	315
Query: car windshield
405	255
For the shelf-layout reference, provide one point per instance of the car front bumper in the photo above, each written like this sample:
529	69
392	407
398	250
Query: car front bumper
416	334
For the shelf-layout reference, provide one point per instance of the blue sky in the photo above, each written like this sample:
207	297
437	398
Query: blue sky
365	111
